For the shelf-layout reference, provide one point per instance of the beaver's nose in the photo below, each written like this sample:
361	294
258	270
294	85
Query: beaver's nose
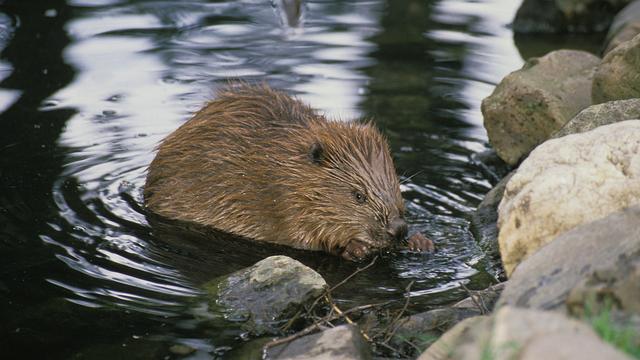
397	229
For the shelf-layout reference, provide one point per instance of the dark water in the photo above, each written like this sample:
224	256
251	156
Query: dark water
88	88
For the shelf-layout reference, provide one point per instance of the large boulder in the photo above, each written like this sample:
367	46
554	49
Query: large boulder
532	103
545	279
513	333
566	182
601	114
561	16
262	296
625	26
617	77
343	342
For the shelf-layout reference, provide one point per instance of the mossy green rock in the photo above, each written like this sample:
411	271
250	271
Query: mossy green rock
265	294
532	103
618	77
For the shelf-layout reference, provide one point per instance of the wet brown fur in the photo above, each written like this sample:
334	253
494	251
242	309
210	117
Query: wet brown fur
258	163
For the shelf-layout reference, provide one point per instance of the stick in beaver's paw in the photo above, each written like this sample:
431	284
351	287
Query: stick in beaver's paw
419	242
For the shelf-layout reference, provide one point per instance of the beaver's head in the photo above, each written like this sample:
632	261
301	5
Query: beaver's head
346	196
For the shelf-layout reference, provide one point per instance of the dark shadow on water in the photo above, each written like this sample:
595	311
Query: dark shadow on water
82	275
539	45
203	254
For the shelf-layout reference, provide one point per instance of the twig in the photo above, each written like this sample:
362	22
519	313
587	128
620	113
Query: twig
416	347
328	318
359	270
342	314
308	330
389	347
328	291
393	326
319	322
481	306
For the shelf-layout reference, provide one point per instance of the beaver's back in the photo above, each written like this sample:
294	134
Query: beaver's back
207	169
260	164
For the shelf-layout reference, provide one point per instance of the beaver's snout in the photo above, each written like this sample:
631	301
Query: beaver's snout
397	229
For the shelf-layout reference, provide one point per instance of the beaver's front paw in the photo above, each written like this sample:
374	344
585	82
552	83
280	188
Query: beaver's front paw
419	242
355	251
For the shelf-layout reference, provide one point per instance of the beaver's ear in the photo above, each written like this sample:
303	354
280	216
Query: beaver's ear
316	153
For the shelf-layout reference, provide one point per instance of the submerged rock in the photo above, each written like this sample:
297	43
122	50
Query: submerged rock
616	78
561	16
544	280
343	342
265	294
484	224
482	300
601	114
566	182
532	103
491	165
625	26
424	328
513	333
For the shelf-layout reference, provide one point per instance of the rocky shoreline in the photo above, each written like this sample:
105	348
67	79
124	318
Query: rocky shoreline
564	224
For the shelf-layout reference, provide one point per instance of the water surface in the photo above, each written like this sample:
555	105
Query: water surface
89	88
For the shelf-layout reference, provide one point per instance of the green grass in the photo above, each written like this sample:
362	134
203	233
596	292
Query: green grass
490	353
602	322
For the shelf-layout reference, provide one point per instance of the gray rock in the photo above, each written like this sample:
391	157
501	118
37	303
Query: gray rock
617	287
340	343
532	103
544	280
612	295
521	333
561	16
625	26
181	350
569	345
601	114
513	333
266	293
617	77
462	341
484	224
421	330
567	182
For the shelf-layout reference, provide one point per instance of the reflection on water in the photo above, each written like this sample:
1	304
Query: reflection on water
90	87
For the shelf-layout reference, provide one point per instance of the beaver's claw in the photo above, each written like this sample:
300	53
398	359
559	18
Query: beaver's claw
419	242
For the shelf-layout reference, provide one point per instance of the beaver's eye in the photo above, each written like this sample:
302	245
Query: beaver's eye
360	198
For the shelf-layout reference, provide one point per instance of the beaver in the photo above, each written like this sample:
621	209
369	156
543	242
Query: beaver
258	163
